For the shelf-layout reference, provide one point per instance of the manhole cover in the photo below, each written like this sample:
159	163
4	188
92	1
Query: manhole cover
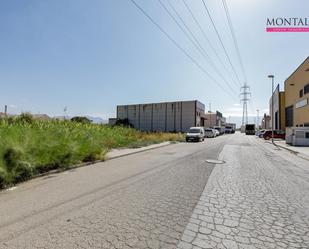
214	161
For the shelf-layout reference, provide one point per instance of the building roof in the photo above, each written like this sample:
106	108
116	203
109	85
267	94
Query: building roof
307	59
163	102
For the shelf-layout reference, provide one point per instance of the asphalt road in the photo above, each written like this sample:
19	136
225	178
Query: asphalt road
167	198
258	199
138	201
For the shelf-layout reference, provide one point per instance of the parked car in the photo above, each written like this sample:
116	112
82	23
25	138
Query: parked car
217	132
220	129
277	134
210	132
260	133
195	134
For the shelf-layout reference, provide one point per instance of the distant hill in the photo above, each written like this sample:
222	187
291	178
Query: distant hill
96	120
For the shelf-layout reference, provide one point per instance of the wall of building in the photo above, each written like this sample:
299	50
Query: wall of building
214	119
297	107
278	115
200	114
210	119
274	108
167	116
282	110
266	122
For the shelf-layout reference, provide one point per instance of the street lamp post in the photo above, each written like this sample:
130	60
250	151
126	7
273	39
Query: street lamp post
272	107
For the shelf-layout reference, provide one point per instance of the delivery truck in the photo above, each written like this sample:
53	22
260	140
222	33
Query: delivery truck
250	129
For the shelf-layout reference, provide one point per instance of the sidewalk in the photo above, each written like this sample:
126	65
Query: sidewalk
115	153
300	151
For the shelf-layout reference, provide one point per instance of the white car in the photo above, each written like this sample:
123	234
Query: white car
217	132
195	134
210	132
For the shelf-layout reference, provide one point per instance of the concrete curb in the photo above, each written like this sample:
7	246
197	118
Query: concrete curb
297	153
303	156
143	149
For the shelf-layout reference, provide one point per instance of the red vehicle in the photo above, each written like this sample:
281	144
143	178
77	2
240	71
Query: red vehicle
277	134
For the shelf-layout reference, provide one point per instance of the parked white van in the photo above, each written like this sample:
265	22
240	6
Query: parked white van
195	134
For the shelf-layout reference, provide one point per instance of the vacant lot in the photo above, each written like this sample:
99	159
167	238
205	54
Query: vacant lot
29	147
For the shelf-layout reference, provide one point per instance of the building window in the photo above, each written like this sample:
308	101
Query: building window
301	93
289	116
306	89
307	135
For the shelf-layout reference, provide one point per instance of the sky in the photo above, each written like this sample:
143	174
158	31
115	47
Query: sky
90	56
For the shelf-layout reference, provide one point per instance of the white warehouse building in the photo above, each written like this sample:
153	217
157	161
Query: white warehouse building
176	116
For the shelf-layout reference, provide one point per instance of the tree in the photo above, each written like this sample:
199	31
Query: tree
81	120
25	117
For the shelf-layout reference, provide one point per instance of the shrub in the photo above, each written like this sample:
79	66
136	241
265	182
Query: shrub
22	171
81	120
25	117
2	177
11	157
124	122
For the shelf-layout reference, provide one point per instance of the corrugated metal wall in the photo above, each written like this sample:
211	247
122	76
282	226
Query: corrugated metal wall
168	116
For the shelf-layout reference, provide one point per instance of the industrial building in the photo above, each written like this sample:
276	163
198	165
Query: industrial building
214	119
296	88
277	112
266	122
176	116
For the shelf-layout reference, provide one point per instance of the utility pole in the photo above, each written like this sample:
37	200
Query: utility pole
272	107
5	110
245	97
258	118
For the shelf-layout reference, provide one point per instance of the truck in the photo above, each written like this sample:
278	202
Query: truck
250	129
230	128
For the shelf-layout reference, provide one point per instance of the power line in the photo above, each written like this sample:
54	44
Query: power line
202	50
221	42
182	29
177	44
198	46
205	36
234	38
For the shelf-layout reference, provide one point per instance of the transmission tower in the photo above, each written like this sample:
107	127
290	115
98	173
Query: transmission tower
245	97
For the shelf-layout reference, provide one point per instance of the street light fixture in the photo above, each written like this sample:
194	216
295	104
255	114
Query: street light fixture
272	107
